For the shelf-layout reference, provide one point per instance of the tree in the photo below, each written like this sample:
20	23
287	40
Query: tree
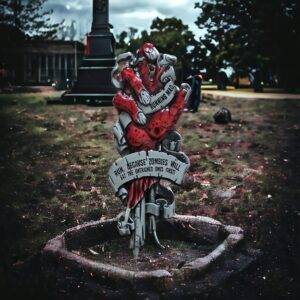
20	21
251	34
28	17
169	35
121	40
132	32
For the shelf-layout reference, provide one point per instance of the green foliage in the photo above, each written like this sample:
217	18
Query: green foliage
172	36
28	17
20	21
169	35
121	43
250	34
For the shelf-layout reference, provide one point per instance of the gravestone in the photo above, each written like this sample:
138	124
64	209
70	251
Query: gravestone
93	85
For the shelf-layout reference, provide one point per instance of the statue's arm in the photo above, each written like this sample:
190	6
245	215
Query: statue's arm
129	76
126	103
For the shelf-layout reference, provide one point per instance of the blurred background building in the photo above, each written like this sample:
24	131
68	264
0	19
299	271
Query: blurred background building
45	62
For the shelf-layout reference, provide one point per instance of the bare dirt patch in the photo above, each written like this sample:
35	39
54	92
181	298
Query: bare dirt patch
117	253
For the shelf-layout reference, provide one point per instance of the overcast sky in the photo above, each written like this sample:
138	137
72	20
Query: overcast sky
125	13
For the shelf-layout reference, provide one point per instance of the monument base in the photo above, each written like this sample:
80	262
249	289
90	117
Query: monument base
194	276
93	85
62	271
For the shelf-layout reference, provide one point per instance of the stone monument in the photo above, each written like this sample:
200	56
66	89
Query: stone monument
93	83
149	105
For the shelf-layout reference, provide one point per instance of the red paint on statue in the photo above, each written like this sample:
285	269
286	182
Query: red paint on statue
145	136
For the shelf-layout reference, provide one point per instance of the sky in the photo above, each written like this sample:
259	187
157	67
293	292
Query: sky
125	13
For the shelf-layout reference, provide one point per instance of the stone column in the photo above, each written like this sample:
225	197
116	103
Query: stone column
75	61
39	68
25	67
28	68
47	66
66	65
71	67
100	41
53	66
93	80
100	16
59	65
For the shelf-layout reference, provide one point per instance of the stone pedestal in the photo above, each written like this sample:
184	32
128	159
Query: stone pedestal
93	85
195	277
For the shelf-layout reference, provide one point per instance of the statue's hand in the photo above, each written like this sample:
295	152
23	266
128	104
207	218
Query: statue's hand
123	195
166	60
186	87
168	74
141	118
144	97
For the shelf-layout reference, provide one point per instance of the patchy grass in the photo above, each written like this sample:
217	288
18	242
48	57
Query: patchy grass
54	160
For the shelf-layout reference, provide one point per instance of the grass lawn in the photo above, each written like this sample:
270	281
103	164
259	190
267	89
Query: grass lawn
230	88
53	175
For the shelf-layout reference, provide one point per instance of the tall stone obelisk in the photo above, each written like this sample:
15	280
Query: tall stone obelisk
93	84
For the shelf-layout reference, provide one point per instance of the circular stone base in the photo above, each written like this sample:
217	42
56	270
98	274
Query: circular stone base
195	244
151	258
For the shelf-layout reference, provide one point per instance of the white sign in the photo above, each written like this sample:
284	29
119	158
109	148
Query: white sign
161	99
146	164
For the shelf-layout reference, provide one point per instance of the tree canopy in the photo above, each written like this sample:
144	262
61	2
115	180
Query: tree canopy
28	17
253	34
20	21
169	35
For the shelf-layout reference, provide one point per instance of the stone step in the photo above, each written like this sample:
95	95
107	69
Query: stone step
96	99
98	63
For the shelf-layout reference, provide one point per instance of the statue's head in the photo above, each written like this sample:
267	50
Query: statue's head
148	51
123	61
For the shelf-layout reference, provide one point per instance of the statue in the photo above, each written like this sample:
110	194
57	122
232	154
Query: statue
149	105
